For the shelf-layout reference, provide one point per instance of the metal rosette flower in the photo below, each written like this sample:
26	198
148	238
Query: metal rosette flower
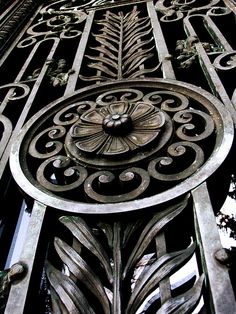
110	148
118	133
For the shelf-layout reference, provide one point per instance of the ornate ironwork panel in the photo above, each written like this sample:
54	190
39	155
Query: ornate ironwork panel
117	121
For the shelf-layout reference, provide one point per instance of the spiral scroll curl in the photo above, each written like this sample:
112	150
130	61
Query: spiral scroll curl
70	114
47	142
20	90
182	158
172	130
64	26
175	10
218	11
127	94
191	131
225	61
134	178
5	132
63	6
162	168
169	101
57	174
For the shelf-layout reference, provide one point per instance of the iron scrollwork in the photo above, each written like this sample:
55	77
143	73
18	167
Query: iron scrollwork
121	144
175	10
125	144
54	24
226	61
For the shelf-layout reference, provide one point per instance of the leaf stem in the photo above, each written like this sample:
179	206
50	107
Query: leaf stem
116	306
120	45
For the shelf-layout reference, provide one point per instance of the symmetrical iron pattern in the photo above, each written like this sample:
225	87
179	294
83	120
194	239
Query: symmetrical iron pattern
116	117
121	144
117	268
125	43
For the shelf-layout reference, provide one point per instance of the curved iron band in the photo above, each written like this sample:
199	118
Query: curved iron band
225	132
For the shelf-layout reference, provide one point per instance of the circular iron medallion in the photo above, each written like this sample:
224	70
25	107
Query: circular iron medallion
110	148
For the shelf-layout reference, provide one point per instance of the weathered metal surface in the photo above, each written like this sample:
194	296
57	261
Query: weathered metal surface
115	277
131	144
20	289
217	275
124	44
7	277
12	19
79	154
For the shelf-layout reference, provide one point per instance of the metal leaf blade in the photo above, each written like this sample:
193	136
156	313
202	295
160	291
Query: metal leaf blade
144	71
151	277
105	51
136	31
82	271
185	302
102	68
111	31
136	37
108	38
138	53
83	234
137	62
106	25
105	60
93	78
136	47
57	305
129	28
154	226
69	294
105	43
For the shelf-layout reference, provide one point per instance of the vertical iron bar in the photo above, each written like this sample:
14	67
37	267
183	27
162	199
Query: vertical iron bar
230	4
210	72
29	102
18	292
120	53
17	39
163	53
216	34
116	307
220	288
71	84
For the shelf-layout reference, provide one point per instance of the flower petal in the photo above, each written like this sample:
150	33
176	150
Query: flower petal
141	110
142	137
92	143
114	145
152	121
94	116
81	129
118	107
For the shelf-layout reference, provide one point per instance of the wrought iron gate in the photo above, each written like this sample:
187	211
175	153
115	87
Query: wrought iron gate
117	118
